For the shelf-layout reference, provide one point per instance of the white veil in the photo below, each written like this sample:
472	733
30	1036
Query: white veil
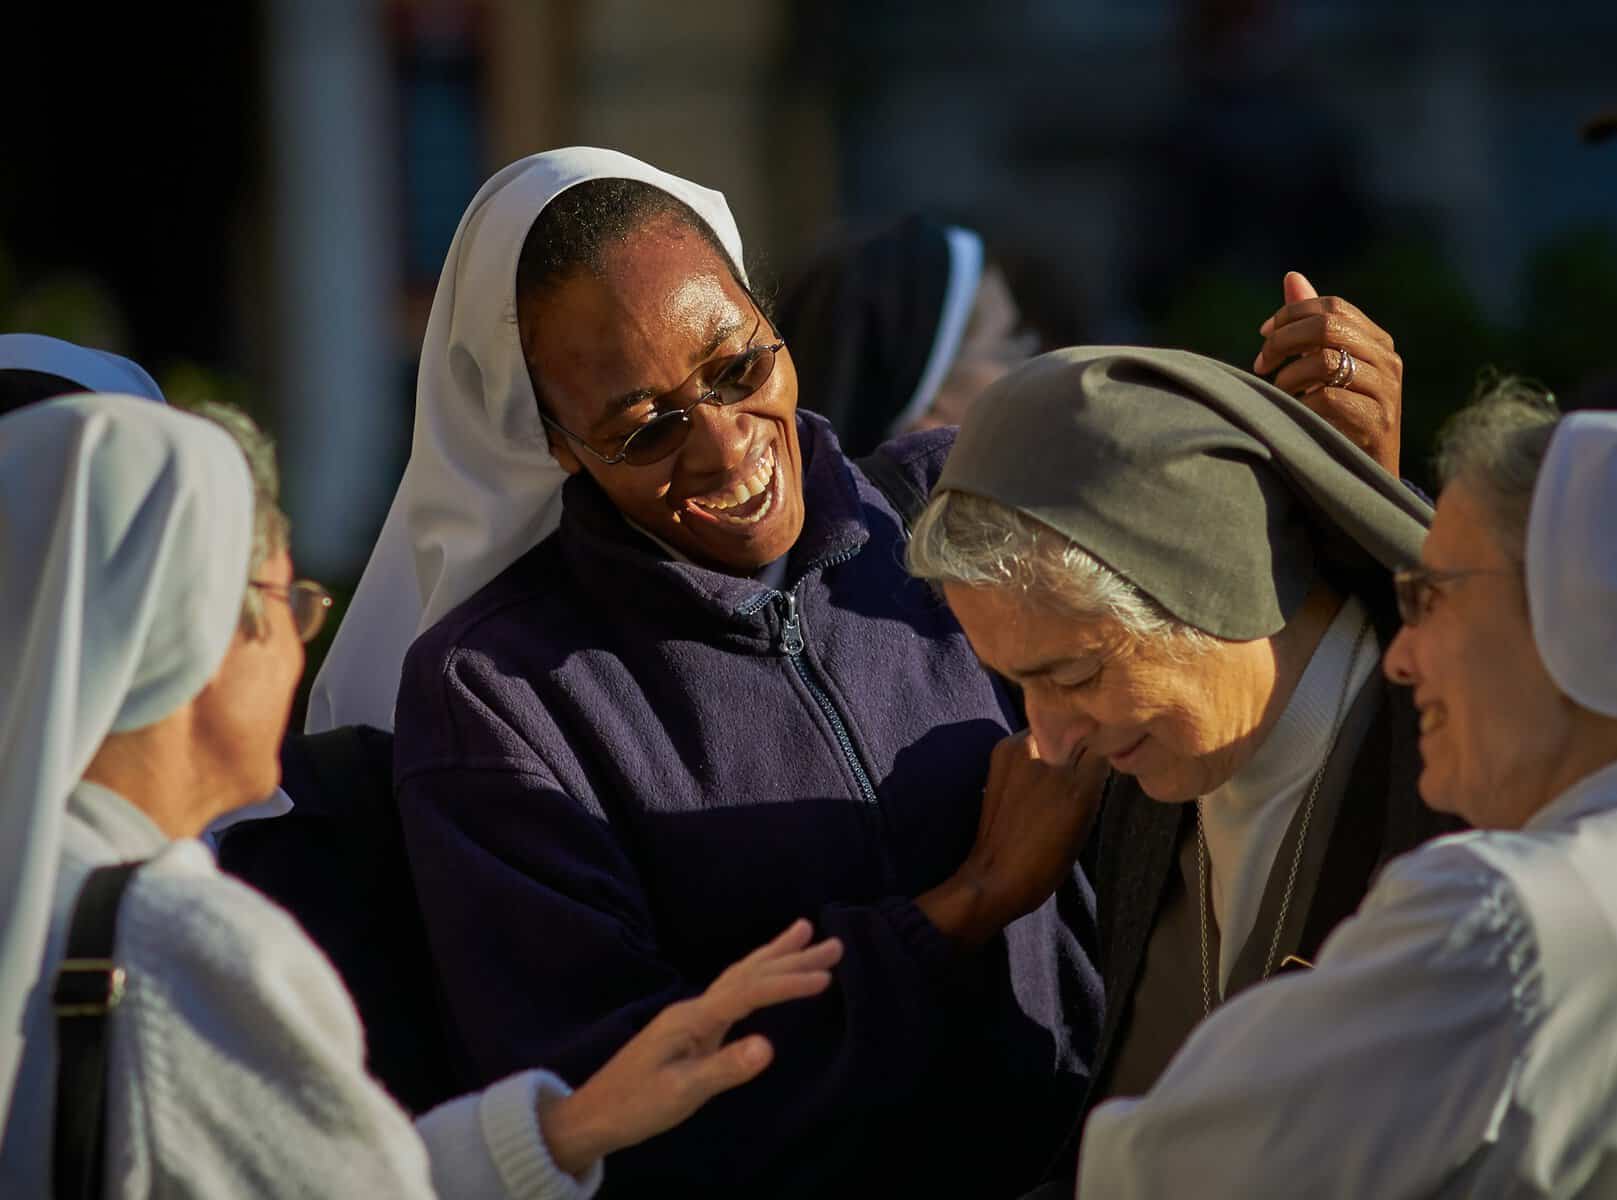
125	530
481	487
1572	559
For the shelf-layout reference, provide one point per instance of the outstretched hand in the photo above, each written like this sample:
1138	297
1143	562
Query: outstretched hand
680	1061
1304	345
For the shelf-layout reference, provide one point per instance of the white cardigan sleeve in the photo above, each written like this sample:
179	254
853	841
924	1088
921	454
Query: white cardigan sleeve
489	1144
237	1067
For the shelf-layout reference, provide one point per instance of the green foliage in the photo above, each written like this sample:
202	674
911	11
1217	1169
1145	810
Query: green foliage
8	279
72	306
1218	313
188	383
1569	299
1409	288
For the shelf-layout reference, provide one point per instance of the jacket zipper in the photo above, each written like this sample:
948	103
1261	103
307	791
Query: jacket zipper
791	645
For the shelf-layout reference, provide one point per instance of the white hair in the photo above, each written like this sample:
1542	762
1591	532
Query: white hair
271	529
971	540
1496	445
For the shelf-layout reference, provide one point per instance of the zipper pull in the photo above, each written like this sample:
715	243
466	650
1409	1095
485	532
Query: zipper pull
791	630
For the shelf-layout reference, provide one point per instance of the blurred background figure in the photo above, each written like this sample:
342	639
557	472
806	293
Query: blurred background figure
901	329
34	367
1161	163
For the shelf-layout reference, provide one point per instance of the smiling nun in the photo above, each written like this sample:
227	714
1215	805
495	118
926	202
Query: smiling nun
675	685
1188	573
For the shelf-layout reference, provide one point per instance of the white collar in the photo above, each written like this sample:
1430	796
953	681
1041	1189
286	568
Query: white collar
1292	752
117	821
1246	819
1594	793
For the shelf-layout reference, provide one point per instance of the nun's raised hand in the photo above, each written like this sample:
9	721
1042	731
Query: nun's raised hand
680	1060
1303	346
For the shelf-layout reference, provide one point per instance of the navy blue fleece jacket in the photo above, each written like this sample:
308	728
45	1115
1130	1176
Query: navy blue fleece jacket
617	773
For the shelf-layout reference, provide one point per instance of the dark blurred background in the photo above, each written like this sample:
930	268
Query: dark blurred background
253	199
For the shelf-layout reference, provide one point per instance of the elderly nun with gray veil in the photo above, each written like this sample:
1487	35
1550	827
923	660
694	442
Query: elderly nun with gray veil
1189	575
1455	1038
198	1043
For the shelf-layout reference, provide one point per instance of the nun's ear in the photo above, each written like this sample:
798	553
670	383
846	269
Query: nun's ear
561	446
562	449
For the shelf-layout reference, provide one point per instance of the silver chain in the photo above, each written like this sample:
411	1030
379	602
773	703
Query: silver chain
1203	858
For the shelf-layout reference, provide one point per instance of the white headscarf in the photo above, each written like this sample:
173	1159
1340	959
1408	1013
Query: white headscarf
481	488
1572	559
92	370
125	530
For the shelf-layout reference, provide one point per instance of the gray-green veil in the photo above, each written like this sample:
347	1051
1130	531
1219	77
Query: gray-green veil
1216	494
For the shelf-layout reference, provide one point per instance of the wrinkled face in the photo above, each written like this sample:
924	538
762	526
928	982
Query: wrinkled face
994	342
241	715
1494	727
1181	728
609	352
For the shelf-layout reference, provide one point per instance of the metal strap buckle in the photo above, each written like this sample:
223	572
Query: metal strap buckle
79	993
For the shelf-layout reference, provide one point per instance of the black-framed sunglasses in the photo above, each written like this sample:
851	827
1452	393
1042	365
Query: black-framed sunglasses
739	377
308	601
1415	587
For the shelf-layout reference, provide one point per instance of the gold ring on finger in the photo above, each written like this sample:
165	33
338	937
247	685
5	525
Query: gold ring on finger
1346	368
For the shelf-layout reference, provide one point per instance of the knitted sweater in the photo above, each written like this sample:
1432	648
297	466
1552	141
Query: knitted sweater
235	1065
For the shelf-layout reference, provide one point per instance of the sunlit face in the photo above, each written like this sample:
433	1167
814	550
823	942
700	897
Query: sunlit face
607	350
1494	727
241	715
1181	727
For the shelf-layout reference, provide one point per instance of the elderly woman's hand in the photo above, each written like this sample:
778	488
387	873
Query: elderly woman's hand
1304	343
680	1060
1035	819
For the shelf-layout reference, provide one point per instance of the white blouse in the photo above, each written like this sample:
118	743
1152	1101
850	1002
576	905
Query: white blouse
1457	1038
1246	819
236	1059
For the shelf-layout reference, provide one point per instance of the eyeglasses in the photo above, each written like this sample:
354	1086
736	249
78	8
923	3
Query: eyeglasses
1415	587
738	378
308	601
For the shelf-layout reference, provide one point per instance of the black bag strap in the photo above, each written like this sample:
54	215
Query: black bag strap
89	986
886	478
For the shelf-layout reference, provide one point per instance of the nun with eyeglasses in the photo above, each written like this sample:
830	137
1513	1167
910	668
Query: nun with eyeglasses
164	1029
1456	1036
